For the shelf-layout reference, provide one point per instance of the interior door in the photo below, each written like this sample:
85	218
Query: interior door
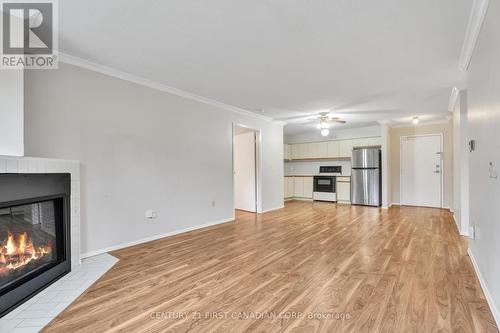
244	172
421	171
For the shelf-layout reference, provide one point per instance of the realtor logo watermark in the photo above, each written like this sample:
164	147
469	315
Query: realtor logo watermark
29	37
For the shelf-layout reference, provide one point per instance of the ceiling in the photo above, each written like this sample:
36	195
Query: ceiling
364	60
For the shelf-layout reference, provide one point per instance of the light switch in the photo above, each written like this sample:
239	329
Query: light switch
151	214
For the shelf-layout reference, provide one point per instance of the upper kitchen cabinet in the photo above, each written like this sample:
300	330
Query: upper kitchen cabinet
345	148
367	142
318	149
332	149
335	149
287	152
299	151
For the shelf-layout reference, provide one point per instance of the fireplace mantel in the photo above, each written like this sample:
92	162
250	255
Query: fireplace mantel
45	165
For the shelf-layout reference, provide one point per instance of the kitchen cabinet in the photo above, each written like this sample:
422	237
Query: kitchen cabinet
345	148
318	149
367	142
300	151
287	152
332	149
298	187
341	149
344	189
289	188
308	187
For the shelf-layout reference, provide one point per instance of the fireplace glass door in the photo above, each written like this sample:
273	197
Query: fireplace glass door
30	237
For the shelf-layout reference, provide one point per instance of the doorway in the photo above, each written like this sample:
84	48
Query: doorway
422	170
245	168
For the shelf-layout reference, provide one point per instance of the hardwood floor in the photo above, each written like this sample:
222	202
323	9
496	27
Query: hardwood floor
352	269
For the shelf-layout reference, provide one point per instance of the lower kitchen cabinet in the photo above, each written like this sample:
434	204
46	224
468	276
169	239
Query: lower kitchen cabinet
289	188
298	187
343	189
308	187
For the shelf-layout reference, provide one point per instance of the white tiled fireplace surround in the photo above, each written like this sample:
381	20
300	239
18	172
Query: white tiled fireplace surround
37	312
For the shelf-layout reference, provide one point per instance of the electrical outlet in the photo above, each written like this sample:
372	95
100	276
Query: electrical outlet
150	214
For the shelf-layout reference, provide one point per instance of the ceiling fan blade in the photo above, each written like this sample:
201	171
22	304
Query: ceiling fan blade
338	121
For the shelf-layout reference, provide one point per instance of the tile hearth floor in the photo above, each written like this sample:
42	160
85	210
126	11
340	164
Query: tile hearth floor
37	312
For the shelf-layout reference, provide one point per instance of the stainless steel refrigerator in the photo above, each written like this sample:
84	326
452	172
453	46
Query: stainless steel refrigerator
366	177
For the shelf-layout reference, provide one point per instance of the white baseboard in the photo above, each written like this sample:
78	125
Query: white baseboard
271	209
300	199
152	238
461	232
489	299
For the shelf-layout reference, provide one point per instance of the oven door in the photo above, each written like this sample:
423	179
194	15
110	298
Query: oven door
324	184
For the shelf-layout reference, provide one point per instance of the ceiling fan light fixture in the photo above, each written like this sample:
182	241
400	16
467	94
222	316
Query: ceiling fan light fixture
325	132
415	120
324	125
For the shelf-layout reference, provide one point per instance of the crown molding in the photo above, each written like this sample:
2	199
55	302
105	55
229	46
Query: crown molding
476	19
110	71
455	93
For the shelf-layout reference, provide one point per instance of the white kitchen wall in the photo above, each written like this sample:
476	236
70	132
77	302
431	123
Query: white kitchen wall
142	148
484	127
11	113
351	133
308	168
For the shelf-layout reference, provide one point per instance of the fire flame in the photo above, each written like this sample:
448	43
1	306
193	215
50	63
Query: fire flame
17	252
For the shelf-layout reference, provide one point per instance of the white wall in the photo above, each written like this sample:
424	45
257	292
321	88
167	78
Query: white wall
140	149
484	127
351	133
461	165
11	113
244	171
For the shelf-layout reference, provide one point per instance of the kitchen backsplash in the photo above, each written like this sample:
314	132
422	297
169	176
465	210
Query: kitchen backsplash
312	167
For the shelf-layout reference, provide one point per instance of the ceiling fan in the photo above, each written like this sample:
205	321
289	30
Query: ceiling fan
324	121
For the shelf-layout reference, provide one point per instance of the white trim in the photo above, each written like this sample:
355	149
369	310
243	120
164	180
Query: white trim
476	20
152	238
452	103
110	71
401	165
482	282
272	209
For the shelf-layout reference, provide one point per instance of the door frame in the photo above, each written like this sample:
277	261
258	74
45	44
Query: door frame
401	166
258	166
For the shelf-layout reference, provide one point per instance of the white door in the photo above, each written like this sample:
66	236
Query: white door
244	172
421	170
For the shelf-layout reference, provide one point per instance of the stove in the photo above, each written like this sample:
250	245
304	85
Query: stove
325	183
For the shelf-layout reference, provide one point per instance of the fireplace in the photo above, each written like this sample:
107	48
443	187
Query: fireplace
34	234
